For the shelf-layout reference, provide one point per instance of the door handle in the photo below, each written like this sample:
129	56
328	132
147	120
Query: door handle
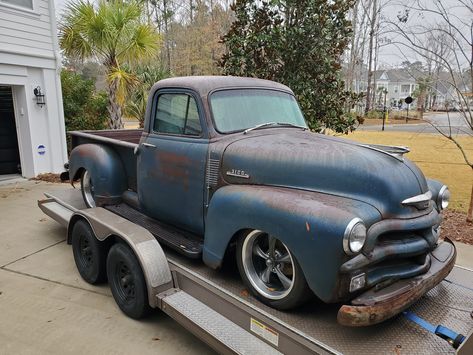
149	145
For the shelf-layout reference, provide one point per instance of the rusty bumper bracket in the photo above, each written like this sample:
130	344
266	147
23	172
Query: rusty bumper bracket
375	306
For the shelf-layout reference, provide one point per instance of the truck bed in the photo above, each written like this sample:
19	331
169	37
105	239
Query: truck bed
449	304
123	137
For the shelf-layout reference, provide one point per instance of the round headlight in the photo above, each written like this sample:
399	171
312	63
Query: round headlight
443	197
354	237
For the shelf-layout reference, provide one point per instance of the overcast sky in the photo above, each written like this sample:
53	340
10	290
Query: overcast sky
389	55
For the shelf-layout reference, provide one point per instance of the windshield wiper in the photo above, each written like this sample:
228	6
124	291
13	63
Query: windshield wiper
267	124
292	125
259	126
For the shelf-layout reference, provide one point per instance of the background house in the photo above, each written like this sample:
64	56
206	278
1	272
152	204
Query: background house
32	136
399	83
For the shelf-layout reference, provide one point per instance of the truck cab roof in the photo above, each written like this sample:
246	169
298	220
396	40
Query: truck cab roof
204	85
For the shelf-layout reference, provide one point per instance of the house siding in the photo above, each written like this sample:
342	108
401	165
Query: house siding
29	57
27	32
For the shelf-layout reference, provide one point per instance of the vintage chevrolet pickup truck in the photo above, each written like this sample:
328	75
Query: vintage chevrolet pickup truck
226	168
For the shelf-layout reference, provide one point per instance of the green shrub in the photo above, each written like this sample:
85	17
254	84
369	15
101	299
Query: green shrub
375	114
84	109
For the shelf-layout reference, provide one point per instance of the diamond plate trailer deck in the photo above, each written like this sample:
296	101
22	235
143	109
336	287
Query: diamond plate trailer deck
215	306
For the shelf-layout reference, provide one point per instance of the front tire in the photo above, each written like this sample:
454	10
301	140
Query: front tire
89	255
87	189
127	282
270	271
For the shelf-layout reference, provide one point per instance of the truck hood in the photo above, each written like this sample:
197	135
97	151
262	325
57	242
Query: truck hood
308	161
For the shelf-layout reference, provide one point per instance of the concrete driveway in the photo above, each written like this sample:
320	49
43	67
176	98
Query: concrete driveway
45	306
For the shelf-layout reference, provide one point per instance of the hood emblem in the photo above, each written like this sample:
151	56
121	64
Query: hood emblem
238	173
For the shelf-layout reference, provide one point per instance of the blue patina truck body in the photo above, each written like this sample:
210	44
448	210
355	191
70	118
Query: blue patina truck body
307	190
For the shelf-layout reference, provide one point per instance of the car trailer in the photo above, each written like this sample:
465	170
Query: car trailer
216	307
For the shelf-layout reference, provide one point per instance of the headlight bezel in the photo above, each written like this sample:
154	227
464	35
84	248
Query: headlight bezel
347	236
441	201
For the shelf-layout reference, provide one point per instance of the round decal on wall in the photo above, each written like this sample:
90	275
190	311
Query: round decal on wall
41	149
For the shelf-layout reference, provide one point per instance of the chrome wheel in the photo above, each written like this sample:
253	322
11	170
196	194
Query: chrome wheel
88	189
268	265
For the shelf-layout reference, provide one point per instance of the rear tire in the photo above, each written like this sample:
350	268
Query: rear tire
89	254
270	271
87	189
127	281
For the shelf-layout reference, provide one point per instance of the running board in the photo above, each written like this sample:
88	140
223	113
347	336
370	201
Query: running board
185	243
210	326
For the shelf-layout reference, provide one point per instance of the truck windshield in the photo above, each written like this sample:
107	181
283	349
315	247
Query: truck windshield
240	109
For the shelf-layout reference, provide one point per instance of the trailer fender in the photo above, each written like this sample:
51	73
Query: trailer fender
147	249
310	224
106	171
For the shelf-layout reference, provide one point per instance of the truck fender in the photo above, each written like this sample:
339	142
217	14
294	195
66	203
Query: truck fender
105	168
107	225
310	224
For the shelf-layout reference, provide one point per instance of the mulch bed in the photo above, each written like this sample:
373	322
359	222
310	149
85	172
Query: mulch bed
49	177
455	227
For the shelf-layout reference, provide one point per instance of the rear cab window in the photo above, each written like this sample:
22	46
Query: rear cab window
177	114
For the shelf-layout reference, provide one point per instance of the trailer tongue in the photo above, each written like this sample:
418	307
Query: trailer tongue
215	306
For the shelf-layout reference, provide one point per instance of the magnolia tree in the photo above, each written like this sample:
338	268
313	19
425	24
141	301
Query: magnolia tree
298	43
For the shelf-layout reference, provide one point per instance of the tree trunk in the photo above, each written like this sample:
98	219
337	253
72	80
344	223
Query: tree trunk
469	215
370	56
114	108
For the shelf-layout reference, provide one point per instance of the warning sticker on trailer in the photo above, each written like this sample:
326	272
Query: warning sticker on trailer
264	331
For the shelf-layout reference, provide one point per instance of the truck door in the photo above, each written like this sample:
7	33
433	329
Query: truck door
172	160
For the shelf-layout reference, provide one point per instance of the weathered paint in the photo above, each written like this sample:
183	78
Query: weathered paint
302	187
105	167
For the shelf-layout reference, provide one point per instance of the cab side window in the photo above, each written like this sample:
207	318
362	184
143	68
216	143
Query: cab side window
177	114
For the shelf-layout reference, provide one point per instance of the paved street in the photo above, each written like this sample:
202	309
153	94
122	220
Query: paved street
440	120
45	306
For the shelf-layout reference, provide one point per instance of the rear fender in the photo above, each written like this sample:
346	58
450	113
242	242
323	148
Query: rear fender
310	224
106	171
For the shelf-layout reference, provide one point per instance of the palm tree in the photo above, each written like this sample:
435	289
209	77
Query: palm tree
115	33
146	76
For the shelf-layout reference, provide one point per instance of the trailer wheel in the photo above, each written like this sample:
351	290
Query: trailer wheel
87	189
88	253
127	281
270	271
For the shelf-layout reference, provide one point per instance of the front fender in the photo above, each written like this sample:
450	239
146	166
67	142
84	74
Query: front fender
105	168
311	224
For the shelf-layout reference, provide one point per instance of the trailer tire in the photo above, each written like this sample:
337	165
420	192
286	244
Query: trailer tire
272	274
89	254
127	281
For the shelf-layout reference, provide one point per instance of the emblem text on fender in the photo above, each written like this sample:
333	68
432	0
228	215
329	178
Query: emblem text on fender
238	173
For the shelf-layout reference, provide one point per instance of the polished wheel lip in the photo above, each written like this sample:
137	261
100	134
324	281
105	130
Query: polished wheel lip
88	188
249	250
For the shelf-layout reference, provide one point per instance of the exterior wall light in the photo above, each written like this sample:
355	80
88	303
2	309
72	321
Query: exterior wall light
39	96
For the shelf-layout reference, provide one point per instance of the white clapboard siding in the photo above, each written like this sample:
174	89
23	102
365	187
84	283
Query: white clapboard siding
27	32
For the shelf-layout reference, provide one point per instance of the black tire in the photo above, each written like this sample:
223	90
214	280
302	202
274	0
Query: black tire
87	189
89	254
273	293
127	281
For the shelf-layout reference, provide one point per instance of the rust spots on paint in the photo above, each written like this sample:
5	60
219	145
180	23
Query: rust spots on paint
307	226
